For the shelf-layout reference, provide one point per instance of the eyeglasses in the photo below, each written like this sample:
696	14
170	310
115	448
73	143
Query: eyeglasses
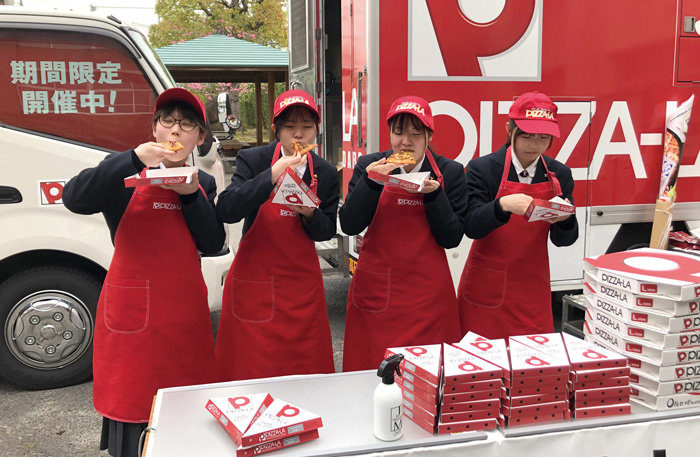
185	124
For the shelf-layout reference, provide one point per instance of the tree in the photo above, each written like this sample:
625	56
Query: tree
259	21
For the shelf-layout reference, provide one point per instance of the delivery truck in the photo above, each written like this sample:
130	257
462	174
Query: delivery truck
614	69
73	89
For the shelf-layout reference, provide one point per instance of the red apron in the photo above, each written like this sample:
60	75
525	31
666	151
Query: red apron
505	288
401	293
274	320
152	328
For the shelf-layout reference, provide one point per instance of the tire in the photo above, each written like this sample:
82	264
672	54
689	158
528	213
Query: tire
47	315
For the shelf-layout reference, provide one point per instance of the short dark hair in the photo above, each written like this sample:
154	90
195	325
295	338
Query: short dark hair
294	111
186	110
400	119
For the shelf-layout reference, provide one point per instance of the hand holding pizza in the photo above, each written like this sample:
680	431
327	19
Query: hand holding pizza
152	154
285	161
381	166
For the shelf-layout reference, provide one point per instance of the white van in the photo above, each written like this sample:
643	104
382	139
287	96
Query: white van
73	88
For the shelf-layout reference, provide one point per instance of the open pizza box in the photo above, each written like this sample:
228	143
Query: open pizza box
236	414
408	181
541	210
671	274
280	420
161	176
290	189
654	303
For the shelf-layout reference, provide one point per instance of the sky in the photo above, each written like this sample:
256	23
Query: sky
140	13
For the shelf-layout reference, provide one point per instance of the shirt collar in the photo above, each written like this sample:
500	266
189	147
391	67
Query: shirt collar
519	168
418	167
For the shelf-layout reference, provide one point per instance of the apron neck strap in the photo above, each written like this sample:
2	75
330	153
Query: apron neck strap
429	155
309	164
551	176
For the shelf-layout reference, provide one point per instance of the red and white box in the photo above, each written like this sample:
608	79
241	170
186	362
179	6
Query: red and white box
431	407
236	414
426	425
408	181
466	426
533	410
407	386
527	400
468	415
527	362
472	387
649	271
660	304
477	405
607	401
663	388
560	388
604	392
655	320
505	421
274	445
540	210
416	383
161	177
492	394
599	384
586	356
291	190
280	420
549	343
493	351
423	361
664	403
546	384
460	366
672	373
597	375
605	410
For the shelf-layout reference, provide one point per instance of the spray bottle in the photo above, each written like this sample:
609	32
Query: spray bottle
388	401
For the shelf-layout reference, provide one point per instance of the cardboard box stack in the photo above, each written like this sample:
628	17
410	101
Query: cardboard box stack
259	424
471	392
644	304
420	381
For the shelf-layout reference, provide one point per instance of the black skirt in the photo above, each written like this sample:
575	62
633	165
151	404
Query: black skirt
121	439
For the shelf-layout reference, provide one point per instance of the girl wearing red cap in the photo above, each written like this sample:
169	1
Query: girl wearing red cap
402	292
152	328
274	320
505	285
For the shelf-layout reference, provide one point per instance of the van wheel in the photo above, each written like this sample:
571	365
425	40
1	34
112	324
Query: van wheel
47	318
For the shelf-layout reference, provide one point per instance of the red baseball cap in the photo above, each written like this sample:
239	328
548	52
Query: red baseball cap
295	97
534	112
178	94
412	105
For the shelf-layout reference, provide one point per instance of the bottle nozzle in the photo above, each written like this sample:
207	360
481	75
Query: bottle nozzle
388	367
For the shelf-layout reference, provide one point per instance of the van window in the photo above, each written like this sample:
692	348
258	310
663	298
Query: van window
77	86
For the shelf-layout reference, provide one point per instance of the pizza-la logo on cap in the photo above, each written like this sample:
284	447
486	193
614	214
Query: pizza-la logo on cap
293	100
540	113
407	106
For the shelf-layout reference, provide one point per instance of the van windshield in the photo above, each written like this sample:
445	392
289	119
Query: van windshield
150	56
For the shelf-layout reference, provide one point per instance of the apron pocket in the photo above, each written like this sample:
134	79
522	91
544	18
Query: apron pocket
370	288
485	283
253	298
126	303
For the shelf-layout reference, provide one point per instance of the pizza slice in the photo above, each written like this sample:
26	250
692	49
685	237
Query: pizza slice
402	158
172	145
303	148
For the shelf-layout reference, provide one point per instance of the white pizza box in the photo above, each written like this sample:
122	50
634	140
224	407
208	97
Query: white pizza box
640	378
662	322
161	177
665	402
417	411
527	362
468	415
605	410
549	343
672	373
460	366
586	356
492	394
476	405
467	426
290	189
605	392
605	401
559	388
532	410
472	387
279	420
640	350
431	407
274	445
641	332
538	418
526	400
416	382
648	302
493	351
236	414
408	181
423	361
407	386
596	375
649	271
540	210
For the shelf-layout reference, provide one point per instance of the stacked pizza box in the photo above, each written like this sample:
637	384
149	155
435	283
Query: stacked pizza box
644	304
471	390
420	383
259	424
